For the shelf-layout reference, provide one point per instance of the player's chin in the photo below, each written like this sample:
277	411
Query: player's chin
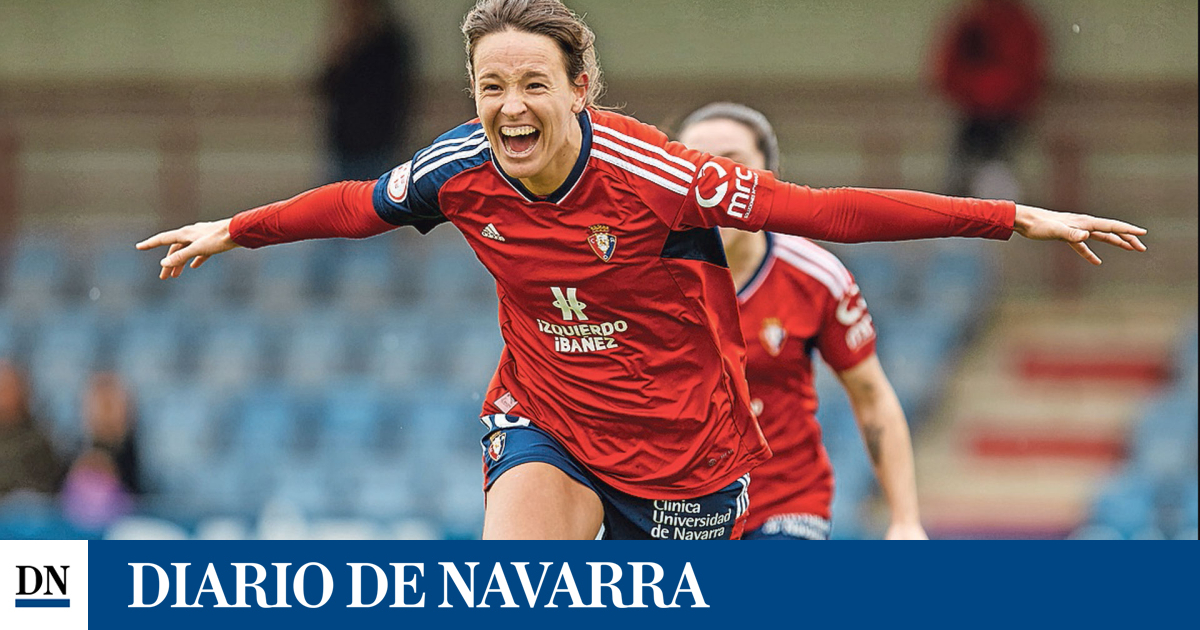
520	167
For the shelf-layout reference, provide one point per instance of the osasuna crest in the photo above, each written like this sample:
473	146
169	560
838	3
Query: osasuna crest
602	242
496	447
772	335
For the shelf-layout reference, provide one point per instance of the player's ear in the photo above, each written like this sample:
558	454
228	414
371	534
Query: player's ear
579	90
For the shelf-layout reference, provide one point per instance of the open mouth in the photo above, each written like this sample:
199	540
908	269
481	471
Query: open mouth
519	141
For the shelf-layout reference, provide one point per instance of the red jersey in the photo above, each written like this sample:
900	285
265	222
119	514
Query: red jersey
617	310
800	299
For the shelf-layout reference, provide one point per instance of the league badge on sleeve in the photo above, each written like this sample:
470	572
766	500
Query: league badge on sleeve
602	242
772	335
397	187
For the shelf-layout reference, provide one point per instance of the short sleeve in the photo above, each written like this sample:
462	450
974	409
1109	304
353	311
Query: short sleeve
847	335
399	201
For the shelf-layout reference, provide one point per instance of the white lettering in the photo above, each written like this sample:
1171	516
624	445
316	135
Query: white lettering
260	595
598	584
281	584
210	577
523	575
181	585
640	584
566	576
693	587
399	568
450	572
381	584
164	585
326	585
501	583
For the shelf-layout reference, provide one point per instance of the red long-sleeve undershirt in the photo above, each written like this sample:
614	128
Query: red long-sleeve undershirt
344	209
846	215
855	215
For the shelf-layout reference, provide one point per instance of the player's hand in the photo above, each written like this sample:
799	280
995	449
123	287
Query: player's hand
198	241
1047	225
906	531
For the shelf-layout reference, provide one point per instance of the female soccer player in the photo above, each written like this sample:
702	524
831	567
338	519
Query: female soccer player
620	404
794	297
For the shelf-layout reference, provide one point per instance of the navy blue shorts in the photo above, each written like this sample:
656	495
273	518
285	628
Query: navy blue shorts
792	527
718	516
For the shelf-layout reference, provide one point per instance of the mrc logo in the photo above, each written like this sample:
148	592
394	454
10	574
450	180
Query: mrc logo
30	582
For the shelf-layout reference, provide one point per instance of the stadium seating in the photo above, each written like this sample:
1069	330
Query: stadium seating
1154	495
342	380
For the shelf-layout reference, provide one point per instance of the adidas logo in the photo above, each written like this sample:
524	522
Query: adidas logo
491	232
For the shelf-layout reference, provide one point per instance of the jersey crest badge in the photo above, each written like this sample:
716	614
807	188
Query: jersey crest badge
496	446
602	242
772	335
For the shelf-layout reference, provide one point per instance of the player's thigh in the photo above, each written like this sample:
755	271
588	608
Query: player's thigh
537	501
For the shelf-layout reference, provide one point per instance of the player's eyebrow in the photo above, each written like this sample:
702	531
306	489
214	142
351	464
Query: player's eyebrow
524	76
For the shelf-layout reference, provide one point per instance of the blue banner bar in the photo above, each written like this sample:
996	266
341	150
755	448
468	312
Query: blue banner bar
583	585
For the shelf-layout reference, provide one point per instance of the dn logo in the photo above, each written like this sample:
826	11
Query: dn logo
571	307
30	580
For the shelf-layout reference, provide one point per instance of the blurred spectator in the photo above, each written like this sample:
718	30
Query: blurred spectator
991	65
111	427
93	496
369	85
27	460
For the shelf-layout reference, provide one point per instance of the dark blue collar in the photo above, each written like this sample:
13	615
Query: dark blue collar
585	151
762	265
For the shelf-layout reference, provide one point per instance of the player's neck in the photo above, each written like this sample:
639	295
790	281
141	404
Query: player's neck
559	169
744	252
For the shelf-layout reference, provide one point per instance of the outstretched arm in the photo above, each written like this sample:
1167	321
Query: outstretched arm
344	209
885	435
855	215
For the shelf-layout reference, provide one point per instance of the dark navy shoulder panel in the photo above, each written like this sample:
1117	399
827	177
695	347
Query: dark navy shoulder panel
696	244
408	194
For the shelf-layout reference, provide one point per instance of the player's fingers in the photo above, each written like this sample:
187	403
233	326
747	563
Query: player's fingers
1111	225
199	260
158	240
179	257
1111	239
1134	241
1082	250
1063	232
166	271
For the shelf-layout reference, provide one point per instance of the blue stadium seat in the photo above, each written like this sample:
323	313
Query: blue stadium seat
401	356
119	275
475	351
9	335
234	351
350	421
149	346
38	274
180	425
1126	504
269	424
387	491
302	485
284	281
368	272
316	348
223	280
